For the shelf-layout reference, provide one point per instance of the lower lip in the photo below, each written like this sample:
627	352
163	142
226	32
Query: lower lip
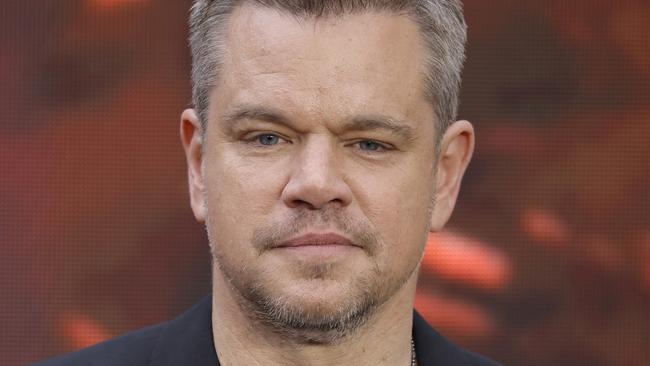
319	251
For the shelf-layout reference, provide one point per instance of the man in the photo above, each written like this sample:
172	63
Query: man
321	152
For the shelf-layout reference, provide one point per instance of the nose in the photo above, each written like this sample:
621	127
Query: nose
317	178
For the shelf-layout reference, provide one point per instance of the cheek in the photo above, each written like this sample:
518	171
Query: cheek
391	195
241	194
398	208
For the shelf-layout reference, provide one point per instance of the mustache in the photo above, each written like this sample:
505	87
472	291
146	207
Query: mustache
361	233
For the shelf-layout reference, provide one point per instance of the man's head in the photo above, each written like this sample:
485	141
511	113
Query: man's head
318	173
440	22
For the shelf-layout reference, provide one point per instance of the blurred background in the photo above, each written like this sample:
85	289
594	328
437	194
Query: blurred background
546	260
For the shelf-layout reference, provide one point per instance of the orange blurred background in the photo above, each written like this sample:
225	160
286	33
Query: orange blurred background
546	260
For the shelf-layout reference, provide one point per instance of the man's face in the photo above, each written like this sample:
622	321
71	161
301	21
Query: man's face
318	164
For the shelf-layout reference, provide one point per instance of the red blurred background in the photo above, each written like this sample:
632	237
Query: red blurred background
546	260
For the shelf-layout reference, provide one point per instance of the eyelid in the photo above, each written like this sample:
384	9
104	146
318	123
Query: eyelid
383	146
253	136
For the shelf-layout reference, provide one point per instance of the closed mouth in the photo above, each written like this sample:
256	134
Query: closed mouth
314	239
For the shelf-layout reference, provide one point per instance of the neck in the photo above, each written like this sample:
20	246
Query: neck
383	340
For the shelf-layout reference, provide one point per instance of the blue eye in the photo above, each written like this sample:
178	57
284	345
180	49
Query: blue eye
268	139
369	145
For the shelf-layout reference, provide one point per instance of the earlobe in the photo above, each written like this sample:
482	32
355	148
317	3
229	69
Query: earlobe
192	140
456	149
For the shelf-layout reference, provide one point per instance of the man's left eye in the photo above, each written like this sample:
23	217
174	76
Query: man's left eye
268	139
369	145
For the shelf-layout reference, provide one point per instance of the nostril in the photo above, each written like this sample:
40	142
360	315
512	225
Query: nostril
312	205
302	204
337	201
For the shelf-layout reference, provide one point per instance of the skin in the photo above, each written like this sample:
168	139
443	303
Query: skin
293	141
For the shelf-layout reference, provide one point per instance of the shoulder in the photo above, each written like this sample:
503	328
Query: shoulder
471	358
478	360
185	340
434	350
133	348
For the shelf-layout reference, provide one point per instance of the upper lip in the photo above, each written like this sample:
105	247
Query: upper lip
316	239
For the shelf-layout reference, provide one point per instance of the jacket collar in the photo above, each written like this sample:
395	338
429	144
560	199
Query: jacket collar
187	340
433	349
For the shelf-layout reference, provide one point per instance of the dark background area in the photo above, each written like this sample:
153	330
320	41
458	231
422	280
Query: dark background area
546	260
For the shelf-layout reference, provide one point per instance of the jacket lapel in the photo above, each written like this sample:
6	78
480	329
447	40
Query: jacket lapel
187	340
434	350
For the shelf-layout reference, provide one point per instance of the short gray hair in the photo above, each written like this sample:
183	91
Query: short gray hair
441	25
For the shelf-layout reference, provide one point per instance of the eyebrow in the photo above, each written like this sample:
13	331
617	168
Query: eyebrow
254	113
381	122
356	123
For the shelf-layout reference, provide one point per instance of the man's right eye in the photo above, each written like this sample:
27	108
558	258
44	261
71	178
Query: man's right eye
268	139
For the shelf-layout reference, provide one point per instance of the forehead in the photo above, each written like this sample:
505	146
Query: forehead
365	62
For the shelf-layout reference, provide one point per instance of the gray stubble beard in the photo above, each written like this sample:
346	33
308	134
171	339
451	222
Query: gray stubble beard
310	326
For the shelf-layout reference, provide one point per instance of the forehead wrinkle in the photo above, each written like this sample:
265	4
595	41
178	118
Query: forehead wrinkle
356	123
309	83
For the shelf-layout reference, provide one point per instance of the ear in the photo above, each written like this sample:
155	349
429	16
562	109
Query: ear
456	149
192	139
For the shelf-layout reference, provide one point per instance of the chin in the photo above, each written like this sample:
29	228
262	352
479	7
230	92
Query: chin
320	305
319	311
308	302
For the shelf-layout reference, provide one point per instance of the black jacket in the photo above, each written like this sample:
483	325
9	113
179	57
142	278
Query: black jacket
187	341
